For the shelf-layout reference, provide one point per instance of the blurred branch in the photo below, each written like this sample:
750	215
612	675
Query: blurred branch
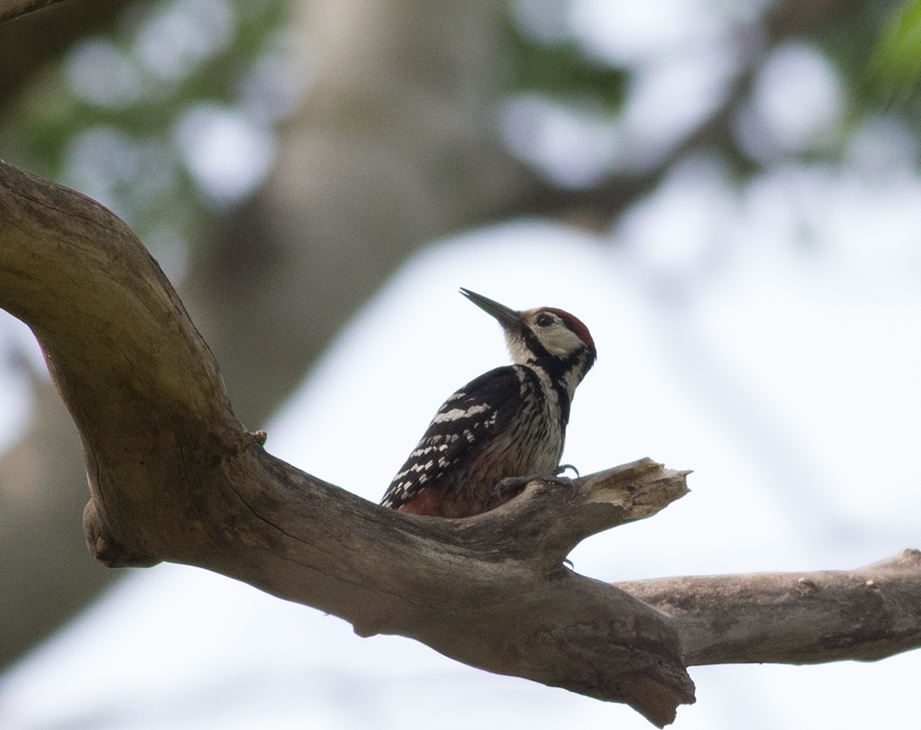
12	9
599	204
174	476
40	31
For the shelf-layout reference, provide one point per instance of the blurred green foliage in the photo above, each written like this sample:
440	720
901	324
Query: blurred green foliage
149	181
561	69
894	68
142	174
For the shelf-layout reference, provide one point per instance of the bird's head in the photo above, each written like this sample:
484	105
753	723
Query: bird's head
556	340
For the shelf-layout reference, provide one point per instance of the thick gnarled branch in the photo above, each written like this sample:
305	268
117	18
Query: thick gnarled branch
174	476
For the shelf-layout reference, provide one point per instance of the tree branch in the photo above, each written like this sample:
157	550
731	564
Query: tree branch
793	618
174	476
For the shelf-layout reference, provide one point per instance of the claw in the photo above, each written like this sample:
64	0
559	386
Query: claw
563	467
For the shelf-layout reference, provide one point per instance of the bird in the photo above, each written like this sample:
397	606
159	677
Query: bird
509	422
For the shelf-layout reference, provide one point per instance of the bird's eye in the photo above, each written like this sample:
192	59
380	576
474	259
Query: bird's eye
544	320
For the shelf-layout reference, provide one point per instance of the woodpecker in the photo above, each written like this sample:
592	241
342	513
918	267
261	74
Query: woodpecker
509	422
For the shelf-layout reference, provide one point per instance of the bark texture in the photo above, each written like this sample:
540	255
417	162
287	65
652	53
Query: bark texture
174	476
793	618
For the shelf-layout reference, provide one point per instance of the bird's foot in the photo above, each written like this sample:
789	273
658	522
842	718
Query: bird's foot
513	486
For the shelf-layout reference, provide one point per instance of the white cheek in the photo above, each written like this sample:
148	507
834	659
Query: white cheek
560	341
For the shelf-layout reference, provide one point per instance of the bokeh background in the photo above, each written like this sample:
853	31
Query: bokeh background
727	193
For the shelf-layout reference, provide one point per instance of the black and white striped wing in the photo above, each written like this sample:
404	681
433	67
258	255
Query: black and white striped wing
470	417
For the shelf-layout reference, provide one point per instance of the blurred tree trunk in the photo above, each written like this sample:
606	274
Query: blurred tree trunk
45	569
395	146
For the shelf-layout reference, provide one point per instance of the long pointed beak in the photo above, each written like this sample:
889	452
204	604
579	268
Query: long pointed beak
508	318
